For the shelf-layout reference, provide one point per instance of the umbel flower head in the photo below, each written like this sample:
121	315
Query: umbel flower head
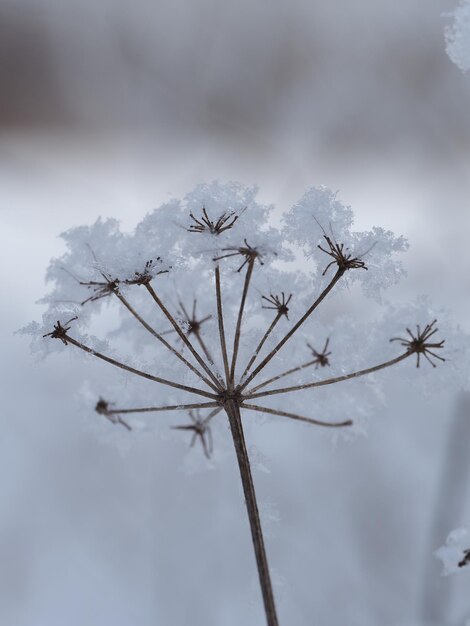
230	313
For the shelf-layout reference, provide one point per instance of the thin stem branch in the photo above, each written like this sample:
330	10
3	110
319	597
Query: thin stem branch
296	326
186	341
132	370
309	420
291	371
174	407
236	342
220	318
236	427
261	343
213	414
167	345
204	348
330	381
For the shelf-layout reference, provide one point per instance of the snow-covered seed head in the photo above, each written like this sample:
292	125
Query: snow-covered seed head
321	358
102	408
341	256
200	429
60	332
101	290
249	253
204	224
278	303
192	321
419	344
148	274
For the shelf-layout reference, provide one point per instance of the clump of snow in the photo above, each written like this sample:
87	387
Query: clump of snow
455	554
173	249
319	216
458	36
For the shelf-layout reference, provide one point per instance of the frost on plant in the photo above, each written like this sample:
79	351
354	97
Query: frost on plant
455	554
458	36
216	310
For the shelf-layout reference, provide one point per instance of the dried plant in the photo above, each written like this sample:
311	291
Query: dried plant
215	360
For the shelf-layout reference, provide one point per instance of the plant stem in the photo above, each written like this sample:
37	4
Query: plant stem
174	407
220	318
294	416
197	334
158	336
296	326
236	427
330	381
186	341
291	371
261	344
132	370
236	342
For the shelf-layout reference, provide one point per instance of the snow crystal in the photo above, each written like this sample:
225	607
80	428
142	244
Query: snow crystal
320	220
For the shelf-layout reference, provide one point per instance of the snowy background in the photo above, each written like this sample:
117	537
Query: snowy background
108	109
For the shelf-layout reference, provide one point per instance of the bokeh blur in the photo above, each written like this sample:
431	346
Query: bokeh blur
108	108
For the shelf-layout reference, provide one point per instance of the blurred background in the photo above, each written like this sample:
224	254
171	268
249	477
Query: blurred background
108	108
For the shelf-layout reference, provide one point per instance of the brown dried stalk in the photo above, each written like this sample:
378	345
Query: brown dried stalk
156	409
186	341
236	343
301	418
201	429
165	343
226	394
60	332
279	304
321	359
232	409
194	327
330	381
220	320
336	278
205	224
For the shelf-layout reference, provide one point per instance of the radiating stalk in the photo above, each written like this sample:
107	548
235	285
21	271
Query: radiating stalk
236	427
186	341
294	416
220	319
167	345
330	381
291	371
205	349
261	344
236	342
296	326
157	409
133	370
